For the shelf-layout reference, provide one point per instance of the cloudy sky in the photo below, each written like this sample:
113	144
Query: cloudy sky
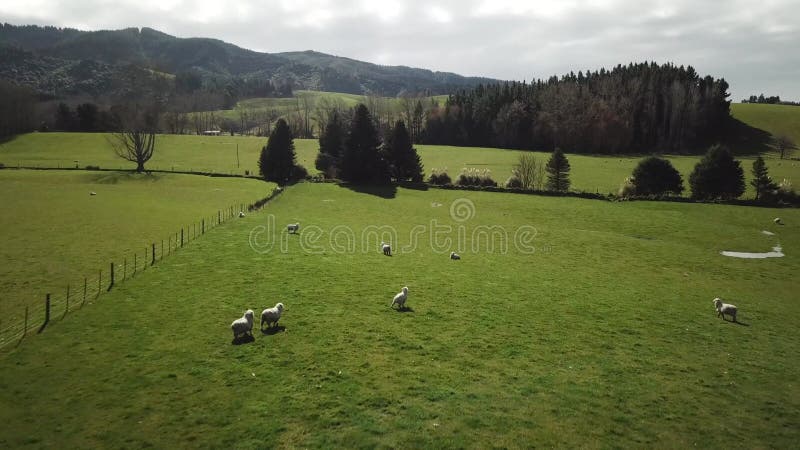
755	45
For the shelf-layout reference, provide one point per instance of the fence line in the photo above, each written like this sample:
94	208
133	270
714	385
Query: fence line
59	304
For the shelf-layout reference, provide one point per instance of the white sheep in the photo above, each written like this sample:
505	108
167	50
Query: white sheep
400	299
777	220
271	315
293	227
241	214
725	308
243	325
387	249
455	256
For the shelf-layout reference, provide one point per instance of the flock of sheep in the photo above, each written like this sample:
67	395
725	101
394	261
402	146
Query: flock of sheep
270	316
244	325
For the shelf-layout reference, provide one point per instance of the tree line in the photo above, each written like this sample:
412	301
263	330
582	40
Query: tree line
635	108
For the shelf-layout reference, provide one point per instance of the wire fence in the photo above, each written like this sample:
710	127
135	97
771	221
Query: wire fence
57	306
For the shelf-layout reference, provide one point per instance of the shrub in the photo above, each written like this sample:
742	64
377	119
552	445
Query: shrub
247	173
475	177
439	177
326	163
92	167
514	182
2	166
717	176
656	176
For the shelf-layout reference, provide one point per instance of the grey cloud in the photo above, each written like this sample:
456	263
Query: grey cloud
749	44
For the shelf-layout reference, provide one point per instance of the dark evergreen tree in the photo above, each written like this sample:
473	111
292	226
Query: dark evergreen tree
717	175
277	161
761	180
331	143
403	159
87	116
558	171
361	162
656	176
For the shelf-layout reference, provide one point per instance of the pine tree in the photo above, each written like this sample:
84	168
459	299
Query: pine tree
717	175
331	143
761	180
403	158
361	162
558	172
277	161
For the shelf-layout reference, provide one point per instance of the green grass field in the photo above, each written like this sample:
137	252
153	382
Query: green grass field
285	106
774	119
218	154
54	233
603	336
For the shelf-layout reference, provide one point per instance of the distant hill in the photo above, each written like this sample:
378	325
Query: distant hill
64	62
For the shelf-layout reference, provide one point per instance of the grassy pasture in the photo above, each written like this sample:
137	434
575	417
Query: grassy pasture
218	154
54	233
774	119
605	336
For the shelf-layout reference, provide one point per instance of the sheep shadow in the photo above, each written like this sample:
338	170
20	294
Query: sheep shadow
273	330
246	339
731	322
404	309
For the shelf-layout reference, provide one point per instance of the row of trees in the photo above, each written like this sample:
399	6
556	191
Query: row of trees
718	175
634	108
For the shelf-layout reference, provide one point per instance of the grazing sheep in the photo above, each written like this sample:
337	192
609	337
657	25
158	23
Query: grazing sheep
93	193
243	325
724	308
271	315
293	227
387	249
241	214
777	220
400	299
455	256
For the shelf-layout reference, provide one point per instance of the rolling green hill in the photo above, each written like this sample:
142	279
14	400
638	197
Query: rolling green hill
773	119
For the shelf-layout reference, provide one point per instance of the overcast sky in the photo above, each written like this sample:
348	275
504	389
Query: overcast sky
754	45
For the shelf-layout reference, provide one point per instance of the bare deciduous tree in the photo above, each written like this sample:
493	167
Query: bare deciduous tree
784	144
525	170
136	139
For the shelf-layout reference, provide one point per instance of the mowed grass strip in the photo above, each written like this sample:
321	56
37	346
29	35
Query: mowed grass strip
603	336
54	233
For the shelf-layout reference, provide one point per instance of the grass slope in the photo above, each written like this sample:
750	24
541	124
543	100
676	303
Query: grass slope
604	337
54	233
774	119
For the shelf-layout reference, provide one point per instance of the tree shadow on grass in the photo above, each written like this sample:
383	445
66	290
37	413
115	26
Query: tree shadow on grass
382	191
246	339
413	186
743	139
114	177
731	322
273	330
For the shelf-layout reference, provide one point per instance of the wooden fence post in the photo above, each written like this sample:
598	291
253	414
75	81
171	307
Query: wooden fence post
111	284
181	237
153	262
203	227
219	216
124	268
134	265
144	261
25	331
46	313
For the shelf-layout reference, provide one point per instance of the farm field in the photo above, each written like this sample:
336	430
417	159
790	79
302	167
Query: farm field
775	119
594	329
218	154
54	233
